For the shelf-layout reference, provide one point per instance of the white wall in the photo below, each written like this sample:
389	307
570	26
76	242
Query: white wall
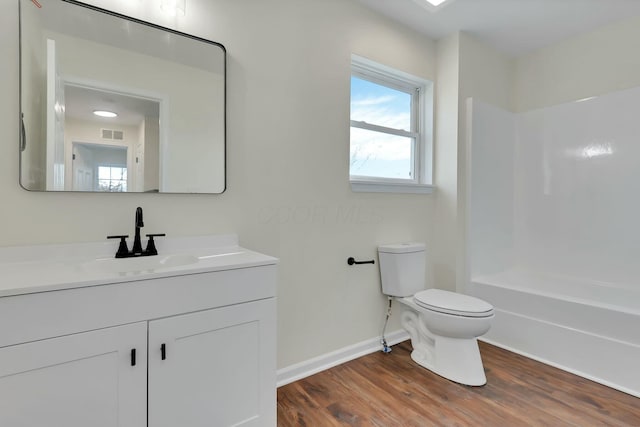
587	65
288	192
445	168
486	74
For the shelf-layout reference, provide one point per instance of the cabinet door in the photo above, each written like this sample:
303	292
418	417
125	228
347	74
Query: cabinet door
78	380
217	367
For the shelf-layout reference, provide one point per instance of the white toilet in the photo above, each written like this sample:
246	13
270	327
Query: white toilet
443	325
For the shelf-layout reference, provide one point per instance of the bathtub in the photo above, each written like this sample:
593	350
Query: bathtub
588	328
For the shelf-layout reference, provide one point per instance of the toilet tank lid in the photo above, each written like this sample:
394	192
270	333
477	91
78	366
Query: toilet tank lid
401	248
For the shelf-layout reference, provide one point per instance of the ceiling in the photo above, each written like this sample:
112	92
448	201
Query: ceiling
515	27
80	102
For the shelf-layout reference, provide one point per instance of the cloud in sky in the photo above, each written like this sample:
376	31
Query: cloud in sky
380	114
363	102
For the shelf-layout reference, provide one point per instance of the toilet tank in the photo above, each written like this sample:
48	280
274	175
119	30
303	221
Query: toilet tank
402	268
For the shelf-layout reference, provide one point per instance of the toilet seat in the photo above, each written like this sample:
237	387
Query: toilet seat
453	303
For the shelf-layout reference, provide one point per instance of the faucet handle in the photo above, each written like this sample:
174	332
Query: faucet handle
123	250
151	245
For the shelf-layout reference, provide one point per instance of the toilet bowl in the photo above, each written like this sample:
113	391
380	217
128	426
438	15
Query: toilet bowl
446	343
443	326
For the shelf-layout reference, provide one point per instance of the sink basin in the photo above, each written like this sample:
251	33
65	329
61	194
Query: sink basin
137	265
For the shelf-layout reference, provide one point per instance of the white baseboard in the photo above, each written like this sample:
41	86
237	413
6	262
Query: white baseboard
318	364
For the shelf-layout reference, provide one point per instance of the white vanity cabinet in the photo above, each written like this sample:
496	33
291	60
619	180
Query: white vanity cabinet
84	379
213	368
185	347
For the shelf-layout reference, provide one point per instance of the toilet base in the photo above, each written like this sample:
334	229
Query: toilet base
457	360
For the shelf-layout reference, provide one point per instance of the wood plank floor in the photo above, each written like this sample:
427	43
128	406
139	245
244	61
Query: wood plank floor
391	390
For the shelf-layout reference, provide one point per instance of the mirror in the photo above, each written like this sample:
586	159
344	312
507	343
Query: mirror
111	104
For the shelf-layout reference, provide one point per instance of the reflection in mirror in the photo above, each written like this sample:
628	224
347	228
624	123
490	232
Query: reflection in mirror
109	103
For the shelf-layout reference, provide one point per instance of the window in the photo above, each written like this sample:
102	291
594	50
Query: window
391	122
112	178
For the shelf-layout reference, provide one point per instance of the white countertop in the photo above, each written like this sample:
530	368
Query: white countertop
43	268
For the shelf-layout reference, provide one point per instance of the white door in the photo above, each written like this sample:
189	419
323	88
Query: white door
214	368
83	173
55	122
79	380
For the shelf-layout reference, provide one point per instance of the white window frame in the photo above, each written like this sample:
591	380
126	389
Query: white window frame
421	92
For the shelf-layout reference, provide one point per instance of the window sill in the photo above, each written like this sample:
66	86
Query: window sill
390	187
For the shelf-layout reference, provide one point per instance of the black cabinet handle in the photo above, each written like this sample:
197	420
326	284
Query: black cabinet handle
133	357
163	351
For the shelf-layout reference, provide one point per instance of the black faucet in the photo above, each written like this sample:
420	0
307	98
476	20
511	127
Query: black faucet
137	244
123	250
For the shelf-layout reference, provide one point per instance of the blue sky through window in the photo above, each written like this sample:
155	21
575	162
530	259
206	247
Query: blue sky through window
373	153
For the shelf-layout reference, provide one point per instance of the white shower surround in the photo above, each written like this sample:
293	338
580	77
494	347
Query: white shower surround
553	232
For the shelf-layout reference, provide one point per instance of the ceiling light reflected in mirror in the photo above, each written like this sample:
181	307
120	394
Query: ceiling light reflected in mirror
102	113
174	7
433	5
